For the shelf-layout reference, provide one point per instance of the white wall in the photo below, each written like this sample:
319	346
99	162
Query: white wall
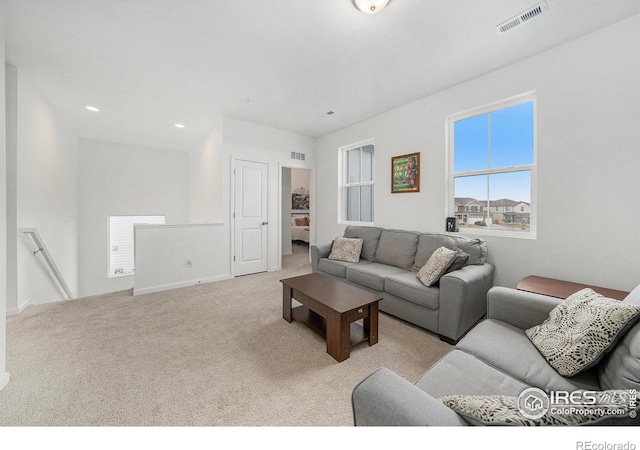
300	179
117	179
44	195
588	160
208	177
4	376
286	211
211	164
175	256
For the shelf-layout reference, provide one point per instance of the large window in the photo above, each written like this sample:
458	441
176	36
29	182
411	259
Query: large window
492	168
357	187
121	243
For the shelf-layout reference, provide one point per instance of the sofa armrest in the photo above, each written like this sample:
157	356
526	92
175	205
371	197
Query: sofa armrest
386	399
519	308
463	299
317	253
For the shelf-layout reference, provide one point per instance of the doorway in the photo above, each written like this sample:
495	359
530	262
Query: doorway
296	215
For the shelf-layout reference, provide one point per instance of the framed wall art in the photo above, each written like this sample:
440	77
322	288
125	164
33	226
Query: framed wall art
405	173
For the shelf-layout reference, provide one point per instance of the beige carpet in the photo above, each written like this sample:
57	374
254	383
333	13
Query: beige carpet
218	354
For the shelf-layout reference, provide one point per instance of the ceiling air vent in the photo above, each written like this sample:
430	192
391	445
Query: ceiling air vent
298	156
523	17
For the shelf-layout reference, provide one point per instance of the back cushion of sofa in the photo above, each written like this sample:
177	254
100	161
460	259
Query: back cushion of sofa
370	237
429	242
621	368
397	248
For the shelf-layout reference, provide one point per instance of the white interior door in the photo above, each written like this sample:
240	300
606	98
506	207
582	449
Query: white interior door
250	212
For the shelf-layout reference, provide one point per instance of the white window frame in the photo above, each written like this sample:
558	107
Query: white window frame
532	168
343	184
138	220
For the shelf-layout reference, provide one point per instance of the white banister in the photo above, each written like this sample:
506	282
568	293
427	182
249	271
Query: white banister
41	248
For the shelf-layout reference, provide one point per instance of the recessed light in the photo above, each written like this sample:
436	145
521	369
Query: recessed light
179	125
92	108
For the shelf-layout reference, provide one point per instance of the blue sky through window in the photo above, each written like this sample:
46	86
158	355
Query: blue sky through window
499	139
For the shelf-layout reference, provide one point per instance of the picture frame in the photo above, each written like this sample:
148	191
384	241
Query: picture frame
405	173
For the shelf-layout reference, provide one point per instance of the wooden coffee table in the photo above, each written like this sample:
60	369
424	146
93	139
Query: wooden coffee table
330	308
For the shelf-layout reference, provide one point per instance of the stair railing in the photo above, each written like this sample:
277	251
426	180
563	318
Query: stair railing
41	248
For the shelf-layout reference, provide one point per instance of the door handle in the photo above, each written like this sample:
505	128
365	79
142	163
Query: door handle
265	223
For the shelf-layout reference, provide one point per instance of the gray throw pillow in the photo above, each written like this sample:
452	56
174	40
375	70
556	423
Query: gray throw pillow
581	330
436	266
459	261
346	249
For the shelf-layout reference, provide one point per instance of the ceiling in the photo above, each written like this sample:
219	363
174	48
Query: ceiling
148	64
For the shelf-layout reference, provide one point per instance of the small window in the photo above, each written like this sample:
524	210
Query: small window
121	245
492	168
357	187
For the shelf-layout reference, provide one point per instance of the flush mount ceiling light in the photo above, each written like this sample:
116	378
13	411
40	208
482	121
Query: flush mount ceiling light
92	108
178	125
370	6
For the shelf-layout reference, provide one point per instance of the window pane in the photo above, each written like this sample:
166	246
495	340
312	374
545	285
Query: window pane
367	163
121	243
471	144
509	207
366	204
353	204
510	202
353	166
512	136
471	201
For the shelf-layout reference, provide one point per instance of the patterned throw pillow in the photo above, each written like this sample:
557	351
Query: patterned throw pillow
581	329
504	410
436	266
346	249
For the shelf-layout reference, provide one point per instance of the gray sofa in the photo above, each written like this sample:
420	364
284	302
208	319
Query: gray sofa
389	262
494	358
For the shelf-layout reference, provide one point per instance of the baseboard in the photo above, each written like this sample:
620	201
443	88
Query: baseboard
4	380
181	284
287	253
19	309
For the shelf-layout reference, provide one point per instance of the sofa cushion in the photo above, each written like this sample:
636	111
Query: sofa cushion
429	242
337	268
461	373
436	266
621	368
397	248
370	237
372	275
405	285
519	358
346	249
581	329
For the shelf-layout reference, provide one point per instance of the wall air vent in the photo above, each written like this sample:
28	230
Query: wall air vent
523	17
298	156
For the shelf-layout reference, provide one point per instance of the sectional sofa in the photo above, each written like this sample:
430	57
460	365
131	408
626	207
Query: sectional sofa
389	263
497	358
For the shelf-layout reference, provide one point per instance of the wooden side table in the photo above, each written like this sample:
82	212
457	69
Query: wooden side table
563	289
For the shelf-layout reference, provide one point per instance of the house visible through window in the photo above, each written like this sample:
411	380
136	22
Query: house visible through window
121	244
492	168
357	188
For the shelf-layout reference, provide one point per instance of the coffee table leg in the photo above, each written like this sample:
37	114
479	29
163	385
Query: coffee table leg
371	324
287	293
338	336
